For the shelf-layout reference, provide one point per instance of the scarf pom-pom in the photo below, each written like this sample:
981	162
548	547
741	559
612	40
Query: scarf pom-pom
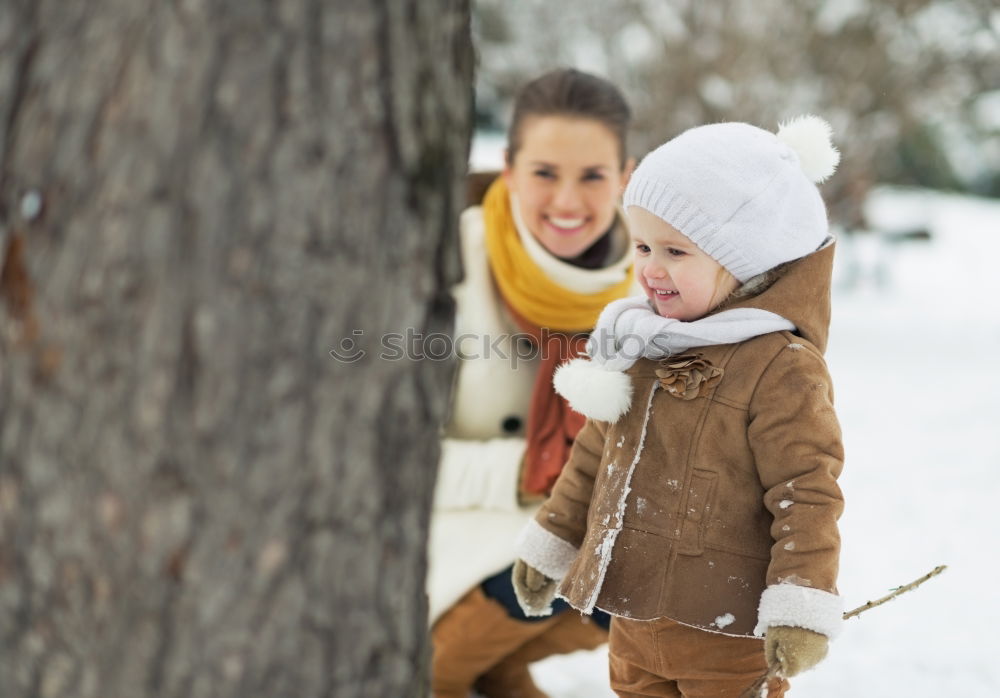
594	391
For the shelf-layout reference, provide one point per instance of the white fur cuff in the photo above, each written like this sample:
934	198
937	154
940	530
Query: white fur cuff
546	552
594	391
800	607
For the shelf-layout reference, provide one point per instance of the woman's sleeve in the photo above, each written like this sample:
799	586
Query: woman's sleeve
796	442
550	541
475	474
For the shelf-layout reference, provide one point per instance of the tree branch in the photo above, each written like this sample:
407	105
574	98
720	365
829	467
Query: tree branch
757	689
900	590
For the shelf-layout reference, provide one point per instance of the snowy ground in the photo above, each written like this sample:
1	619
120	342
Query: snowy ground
917	373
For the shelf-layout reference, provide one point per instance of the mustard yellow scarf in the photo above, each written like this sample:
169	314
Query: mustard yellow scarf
523	284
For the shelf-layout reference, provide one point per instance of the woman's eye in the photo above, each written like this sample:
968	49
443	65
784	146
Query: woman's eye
593	177
545	174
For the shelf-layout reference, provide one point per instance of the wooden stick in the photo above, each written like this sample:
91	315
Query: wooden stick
758	687
912	585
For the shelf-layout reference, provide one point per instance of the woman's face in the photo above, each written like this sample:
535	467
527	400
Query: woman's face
567	177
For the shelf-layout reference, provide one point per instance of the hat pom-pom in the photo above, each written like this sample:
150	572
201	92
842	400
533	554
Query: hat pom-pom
594	391
809	137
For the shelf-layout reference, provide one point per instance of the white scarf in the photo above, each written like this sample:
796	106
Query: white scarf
628	330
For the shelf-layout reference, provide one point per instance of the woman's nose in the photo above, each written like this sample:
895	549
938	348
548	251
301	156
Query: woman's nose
567	198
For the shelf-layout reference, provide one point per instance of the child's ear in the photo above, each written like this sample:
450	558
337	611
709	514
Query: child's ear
627	174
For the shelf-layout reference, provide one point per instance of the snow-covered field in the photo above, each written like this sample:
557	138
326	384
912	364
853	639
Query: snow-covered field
916	366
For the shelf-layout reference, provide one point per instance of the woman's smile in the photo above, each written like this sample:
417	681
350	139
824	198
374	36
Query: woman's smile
566	226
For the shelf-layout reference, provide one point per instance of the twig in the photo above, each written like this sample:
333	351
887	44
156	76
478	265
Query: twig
757	688
912	585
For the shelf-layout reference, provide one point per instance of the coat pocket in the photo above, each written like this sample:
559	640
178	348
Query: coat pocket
697	506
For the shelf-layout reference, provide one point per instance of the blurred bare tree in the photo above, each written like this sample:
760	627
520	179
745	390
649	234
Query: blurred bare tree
898	79
198	202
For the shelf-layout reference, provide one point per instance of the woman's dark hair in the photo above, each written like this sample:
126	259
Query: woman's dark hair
570	93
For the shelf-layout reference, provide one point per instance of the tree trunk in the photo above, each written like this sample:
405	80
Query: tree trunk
202	205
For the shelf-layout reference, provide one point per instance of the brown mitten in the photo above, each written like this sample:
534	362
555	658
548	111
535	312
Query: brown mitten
793	650
533	589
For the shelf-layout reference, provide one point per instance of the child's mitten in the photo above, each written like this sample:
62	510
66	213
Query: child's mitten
793	649
533	589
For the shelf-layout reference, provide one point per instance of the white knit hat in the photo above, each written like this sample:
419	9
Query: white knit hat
744	195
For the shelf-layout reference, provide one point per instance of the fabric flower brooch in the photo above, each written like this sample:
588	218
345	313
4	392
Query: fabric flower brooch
688	375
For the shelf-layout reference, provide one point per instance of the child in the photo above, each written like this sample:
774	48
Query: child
699	504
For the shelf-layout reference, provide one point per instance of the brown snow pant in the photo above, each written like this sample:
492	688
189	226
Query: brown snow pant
664	658
476	643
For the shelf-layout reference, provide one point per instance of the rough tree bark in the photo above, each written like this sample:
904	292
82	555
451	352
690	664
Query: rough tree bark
198	202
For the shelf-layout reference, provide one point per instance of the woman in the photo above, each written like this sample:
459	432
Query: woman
543	255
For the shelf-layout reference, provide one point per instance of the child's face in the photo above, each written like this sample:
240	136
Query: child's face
682	281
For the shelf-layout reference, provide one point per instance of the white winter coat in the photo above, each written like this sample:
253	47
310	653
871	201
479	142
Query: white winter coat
476	515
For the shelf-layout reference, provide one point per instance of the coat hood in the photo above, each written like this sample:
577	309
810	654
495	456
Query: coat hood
801	294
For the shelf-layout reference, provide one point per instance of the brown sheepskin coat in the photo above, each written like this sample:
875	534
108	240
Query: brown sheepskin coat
719	483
